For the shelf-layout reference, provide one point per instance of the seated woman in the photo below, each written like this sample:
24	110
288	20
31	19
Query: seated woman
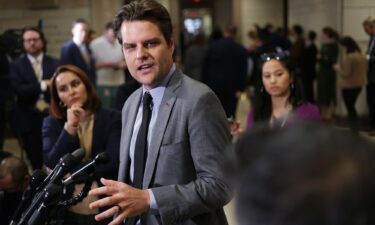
279	99
77	121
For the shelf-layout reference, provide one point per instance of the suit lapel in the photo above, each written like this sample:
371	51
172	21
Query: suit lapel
29	70
165	111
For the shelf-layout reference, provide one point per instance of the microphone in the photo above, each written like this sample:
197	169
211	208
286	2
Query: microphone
65	164
101	158
36	180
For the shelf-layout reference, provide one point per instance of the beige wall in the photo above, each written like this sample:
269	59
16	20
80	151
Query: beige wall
260	12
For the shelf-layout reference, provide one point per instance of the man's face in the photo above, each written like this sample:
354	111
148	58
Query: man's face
80	32
147	53
32	42
367	29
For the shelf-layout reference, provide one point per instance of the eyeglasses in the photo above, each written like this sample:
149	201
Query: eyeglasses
31	40
277	56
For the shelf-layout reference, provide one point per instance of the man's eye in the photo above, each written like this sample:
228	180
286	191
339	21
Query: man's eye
151	44
128	47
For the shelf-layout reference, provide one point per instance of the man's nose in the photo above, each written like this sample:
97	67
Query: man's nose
142	52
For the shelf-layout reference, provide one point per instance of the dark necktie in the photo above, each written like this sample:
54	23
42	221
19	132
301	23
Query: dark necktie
140	151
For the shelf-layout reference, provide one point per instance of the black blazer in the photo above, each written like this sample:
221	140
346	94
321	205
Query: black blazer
106	138
70	54
27	90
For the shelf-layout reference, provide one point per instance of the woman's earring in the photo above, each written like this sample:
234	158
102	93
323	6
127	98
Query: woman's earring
261	89
62	104
292	86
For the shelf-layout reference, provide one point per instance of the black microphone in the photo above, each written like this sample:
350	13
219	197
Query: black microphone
36	180
101	158
65	164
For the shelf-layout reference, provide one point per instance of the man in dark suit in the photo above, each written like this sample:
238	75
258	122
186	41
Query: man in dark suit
30	76
180	178
77	52
309	66
225	69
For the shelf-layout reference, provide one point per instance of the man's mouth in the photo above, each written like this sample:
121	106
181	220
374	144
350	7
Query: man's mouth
144	66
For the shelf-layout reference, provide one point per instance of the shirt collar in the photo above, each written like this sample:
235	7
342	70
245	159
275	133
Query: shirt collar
77	42
33	59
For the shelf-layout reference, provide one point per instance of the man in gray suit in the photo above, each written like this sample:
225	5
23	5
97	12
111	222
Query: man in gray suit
184	179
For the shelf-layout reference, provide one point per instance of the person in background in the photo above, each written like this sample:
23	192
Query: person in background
110	65
297	48
172	170
307	174
14	179
77	120
369	27
77	52
124	91
352	77
225	70
308	66
279	99
326	75
30	79
194	57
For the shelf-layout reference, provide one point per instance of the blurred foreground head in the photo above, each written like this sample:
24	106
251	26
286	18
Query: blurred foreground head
306	174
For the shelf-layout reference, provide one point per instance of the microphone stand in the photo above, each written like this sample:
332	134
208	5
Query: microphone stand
51	197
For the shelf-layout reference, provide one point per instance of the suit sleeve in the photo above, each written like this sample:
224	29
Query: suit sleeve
208	140
56	141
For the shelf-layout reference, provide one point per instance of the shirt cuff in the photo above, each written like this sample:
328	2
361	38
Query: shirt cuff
153	205
43	86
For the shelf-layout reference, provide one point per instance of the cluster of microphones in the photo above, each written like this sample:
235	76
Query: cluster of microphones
46	192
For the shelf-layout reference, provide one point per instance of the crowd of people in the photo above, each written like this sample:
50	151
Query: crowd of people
168	128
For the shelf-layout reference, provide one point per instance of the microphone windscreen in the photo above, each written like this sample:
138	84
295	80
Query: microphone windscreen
102	158
79	154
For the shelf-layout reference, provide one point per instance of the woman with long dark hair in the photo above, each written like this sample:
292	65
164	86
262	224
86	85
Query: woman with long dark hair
279	98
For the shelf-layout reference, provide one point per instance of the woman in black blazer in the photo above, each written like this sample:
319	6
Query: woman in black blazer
77	120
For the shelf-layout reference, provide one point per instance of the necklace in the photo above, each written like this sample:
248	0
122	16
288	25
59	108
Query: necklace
280	122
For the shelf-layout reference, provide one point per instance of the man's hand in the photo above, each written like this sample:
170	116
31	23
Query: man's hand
126	201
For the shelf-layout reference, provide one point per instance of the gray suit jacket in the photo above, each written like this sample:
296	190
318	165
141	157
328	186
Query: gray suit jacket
187	156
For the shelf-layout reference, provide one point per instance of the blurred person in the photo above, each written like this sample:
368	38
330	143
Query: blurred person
4	96
279	100
77	52
124	91
296	50
225	69
110	65
369	27
14	179
77	120
326	75
194	57
308	67
306	174
92	35
173	146
352	77
30	78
